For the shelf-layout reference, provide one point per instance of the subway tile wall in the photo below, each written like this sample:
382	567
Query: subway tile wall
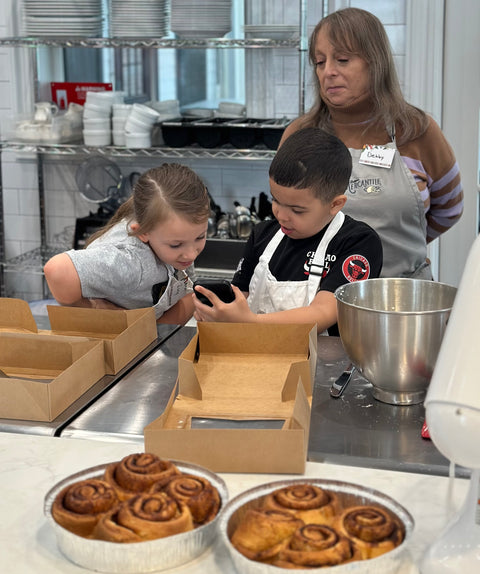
227	180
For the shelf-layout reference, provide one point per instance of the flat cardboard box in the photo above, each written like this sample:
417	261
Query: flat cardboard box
245	377
125	333
43	375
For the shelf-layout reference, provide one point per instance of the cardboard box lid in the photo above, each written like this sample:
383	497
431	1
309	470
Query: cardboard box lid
97	323
16	316
125	332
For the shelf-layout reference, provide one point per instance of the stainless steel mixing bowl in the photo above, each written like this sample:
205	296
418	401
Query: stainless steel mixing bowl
392	329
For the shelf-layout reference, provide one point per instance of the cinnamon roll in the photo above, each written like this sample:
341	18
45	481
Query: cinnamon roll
315	546
310	503
144	517
136	473
198	494
262	533
372	529
79	506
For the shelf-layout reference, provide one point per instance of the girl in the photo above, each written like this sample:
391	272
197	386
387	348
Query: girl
144	255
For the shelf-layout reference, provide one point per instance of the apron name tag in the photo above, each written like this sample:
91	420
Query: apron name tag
378	156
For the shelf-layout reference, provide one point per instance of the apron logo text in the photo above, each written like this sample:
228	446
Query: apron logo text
370	185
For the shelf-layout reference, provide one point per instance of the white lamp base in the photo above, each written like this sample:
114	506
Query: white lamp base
457	551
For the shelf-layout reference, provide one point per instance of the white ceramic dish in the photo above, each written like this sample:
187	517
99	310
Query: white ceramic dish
119	137
137	557
136	125
97	124
97	138
389	563
138	140
144	113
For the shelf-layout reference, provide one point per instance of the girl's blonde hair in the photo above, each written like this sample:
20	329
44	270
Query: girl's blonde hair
160	192
359	32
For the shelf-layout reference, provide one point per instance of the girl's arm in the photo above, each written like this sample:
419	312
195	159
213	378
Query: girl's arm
63	280
64	284
180	313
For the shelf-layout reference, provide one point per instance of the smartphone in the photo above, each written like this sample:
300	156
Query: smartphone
221	287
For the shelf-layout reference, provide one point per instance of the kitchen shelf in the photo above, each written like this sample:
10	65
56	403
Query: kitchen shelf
192	152
157	43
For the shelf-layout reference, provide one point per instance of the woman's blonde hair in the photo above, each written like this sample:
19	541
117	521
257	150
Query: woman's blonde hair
158	193
359	32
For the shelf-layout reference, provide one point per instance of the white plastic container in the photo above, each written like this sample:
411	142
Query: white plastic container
136	125
93	111
119	137
135	140
97	138
97	124
118	124
121	110
144	113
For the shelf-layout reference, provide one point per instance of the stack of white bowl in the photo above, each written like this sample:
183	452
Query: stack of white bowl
139	125
97	111
120	114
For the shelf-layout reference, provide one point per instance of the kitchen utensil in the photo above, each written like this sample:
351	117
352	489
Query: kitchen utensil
244	226
341	383
98	179
44	112
391	330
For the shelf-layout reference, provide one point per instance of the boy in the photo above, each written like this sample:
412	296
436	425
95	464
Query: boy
292	265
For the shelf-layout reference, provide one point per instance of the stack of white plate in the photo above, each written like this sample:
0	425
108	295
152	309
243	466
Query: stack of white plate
60	18
139	19
272	32
201	18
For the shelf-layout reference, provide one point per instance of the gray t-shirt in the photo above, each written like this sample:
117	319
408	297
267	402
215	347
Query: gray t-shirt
121	268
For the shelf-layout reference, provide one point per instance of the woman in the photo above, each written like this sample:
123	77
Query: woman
405	181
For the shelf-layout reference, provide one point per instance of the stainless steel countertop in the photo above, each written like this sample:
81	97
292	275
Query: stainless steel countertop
139	397
355	429
55	427
358	430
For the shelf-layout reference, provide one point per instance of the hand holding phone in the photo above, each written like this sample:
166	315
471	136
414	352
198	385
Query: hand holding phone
221	287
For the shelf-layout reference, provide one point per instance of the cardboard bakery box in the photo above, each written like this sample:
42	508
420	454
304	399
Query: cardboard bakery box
42	375
125	333
242	399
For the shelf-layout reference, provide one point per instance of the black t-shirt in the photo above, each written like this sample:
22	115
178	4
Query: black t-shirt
354	253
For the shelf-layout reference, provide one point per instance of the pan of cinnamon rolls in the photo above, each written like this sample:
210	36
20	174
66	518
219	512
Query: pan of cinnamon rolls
311	524
139	514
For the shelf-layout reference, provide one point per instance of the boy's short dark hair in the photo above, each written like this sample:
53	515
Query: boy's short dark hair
313	159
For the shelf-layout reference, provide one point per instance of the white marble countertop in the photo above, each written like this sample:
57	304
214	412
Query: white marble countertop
31	465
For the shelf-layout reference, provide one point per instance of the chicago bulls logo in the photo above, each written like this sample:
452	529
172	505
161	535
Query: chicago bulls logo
356	268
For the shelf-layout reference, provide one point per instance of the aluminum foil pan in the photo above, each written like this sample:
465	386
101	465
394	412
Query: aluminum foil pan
390	563
137	557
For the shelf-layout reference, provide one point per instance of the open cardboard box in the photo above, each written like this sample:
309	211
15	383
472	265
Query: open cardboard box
242	399
43	375
124	333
